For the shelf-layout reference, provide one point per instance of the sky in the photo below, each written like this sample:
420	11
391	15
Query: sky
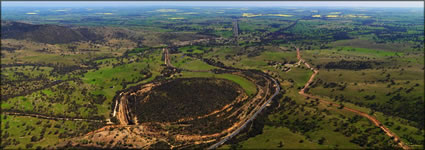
417	4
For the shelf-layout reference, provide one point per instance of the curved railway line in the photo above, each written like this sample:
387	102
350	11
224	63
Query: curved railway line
51	117
237	131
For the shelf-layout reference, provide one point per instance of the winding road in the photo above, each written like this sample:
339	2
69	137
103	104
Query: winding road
371	118
237	131
167	60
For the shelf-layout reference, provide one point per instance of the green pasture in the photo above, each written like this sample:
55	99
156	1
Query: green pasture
248	86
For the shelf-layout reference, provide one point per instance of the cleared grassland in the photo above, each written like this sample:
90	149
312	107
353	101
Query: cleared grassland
104	75
248	86
273	135
300	76
108	80
186	62
197	65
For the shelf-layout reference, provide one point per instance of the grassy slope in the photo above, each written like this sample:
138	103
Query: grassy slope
186	62
248	86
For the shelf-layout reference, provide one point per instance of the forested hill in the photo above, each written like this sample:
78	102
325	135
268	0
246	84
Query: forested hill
52	34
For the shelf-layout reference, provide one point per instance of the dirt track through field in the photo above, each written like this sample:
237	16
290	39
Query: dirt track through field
371	118
167	60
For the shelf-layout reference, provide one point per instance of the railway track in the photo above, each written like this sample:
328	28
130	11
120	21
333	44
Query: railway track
51	117
237	131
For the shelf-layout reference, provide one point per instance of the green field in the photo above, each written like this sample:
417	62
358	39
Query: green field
248	86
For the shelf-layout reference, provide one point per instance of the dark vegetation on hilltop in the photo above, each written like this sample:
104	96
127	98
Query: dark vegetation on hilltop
351	65
185	98
52	34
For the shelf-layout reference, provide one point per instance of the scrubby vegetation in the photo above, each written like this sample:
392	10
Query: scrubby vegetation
59	77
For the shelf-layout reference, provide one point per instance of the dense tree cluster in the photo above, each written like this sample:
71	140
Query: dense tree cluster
351	65
173	100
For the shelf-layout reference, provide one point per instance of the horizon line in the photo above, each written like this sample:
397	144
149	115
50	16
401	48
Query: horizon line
369	4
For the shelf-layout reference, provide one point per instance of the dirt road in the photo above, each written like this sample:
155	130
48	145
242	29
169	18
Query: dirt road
235	28
167	57
371	118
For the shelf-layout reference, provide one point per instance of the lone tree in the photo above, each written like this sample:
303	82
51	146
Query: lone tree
321	140
280	144
34	139
341	106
